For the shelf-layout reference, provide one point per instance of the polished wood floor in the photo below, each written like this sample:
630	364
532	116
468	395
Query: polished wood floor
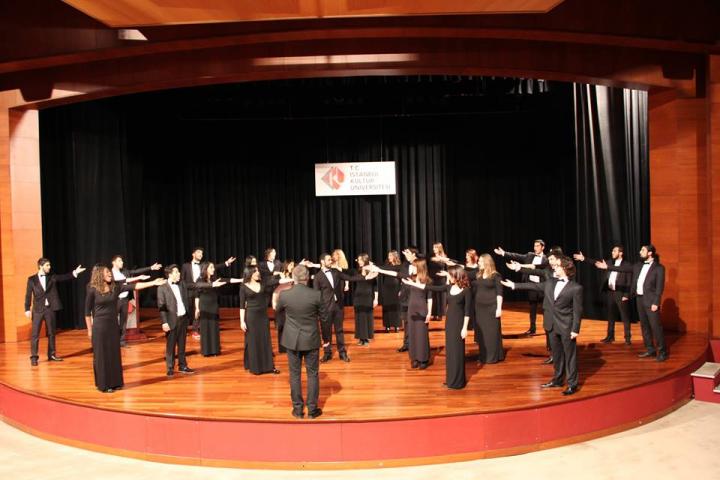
377	384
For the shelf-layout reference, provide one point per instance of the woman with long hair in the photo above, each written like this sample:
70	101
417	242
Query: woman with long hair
389	293
285	272
365	298
207	308
471	269
419	307
254	321
488	310
438	263
458	315
101	299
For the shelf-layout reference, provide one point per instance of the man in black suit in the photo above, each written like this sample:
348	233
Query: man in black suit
536	257
410	254
647	285
42	291
270	264
330	282
616	288
174	305
123	275
562	317
303	308
190	273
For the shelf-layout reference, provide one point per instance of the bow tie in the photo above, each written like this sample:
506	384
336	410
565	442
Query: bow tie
43	275
563	280
647	263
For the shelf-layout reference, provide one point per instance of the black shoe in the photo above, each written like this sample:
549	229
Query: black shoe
423	365
315	413
298	414
186	370
548	361
34	362
570	390
661	358
387	329
361	343
54	358
414	364
402	349
551	384
646	355
344	357
607	340
326	357
529	332
275	371
107	390
170	373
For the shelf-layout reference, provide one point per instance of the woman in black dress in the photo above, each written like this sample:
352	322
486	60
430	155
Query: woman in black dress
488	310
286	272
207	308
254	293
438	263
419	307
471	269
389	293
365	298
458	315
101	318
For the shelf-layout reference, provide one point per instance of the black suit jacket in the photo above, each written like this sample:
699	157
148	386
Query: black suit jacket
265	271
332	294
652	287
303	307
38	294
132	273
527	258
563	314
168	304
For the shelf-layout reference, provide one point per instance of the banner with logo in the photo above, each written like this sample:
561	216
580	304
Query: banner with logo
361	178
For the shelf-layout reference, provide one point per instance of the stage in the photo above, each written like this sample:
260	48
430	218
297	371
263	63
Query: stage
377	411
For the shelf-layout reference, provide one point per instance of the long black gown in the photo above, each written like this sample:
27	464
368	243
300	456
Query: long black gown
209	320
458	307
418	334
471	274
389	297
258	357
488	330
107	360
363	298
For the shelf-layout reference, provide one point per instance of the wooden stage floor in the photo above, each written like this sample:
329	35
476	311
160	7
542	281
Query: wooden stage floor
378	384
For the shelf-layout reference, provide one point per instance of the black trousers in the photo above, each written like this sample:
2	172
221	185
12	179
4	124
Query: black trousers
48	316
312	361
404	320
334	320
191	312
535	299
564	352
618	310
651	328
176	337
123	316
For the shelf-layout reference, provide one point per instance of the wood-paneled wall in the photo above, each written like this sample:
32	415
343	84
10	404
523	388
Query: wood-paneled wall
714	181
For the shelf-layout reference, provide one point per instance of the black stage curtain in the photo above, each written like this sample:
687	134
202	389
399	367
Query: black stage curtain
612	166
231	169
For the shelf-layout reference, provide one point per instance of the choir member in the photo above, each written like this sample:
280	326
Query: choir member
488	310
121	274
438	263
101	314
365	298
389	293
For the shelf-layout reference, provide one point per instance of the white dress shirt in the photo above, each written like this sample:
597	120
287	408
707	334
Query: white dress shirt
43	282
195	270
536	261
118	276
180	305
328	274
559	286
641	277
270	265
613	275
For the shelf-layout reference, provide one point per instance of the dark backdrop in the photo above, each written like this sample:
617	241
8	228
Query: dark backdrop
480	161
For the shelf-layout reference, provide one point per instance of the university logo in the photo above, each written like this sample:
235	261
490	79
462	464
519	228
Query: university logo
334	178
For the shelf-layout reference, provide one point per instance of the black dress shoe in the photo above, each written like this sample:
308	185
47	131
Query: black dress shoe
186	370
298	414
344	357
54	358
569	390
275	371
107	390
402	349
414	364
607	340
551	384
34	362
170	373
646	355
315	413
661	358
529	332
423	365
548	361
326	357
